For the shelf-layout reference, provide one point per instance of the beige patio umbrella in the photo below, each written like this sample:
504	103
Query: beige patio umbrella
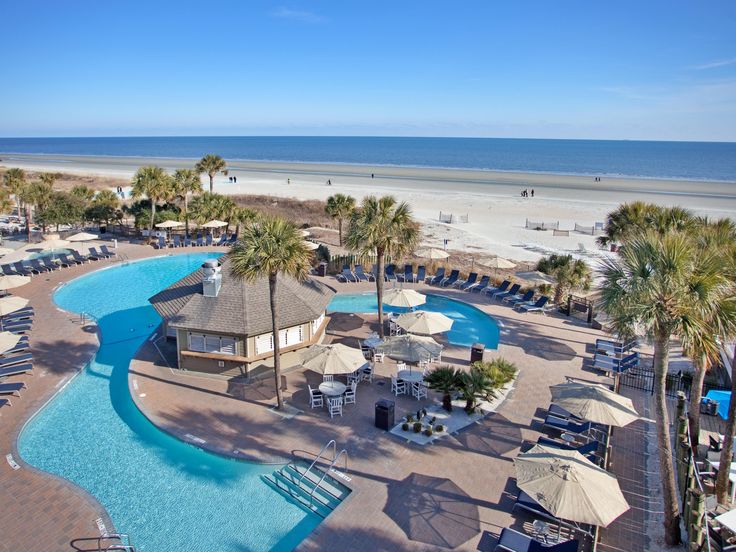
169	224
11	304
425	323
5	250
496	262
535	277
410	348
50	245
432	253
13	281
8	340
569	486
406	298
214	224
333	359
594	403
82	237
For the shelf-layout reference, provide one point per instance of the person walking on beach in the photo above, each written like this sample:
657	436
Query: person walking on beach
532	192
288	180
329	182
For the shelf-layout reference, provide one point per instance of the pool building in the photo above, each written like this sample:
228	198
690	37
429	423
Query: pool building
222	325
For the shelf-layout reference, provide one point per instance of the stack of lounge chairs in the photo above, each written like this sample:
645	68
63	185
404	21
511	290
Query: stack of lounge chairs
43	265
18	360
356	275
178	240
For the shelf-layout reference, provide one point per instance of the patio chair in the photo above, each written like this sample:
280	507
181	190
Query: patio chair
328	377
233	239
8	270
101	254
379	357
77	256
208	240
17	330
398	387
515	299
66	261
348	275
107	251
451	279
408	275
390	272
95	256
37	267
465	284
354	377
607	364
19	315
513	541
4	402
611	347
361	275
350	393
16	370
200	241
51	265
222	241
16	359
367	373
419	390
478	286
537	306
438	277
568	426
315	397
334	405
187	241
23	270
177	240
11	388
588	448
19	348
490	290
715	444
421	274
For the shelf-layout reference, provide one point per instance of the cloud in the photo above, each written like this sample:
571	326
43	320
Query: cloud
297	15
714	64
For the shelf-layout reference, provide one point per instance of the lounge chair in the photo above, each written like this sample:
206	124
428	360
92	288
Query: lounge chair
177	240
11	388
490	290
104	255
48	263
15	359
66	261
18	348
5	402
501	295
222	241
233	239
451	279
187	241
568	426
390	272
588	448
361	275
16	370
208	240
513	541
533	306
17	316
480	285
421	274
408	275
37	267
109	253
347	275
514	299
200	241
605	363
18	330
23	270
81	258
8	270
614	347
94	256
462	284
438	277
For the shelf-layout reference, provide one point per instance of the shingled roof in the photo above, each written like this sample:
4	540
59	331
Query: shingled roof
240	308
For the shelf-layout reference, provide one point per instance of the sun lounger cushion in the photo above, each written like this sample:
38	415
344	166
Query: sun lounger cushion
9	361
9	388
15	370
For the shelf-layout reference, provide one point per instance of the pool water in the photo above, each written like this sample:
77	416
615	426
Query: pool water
470	325
168	495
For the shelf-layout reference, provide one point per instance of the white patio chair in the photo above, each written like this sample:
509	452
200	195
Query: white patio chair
379	357
315	398
350	393
367	373
419	390
400	366
355	376
398	387
328	377
335	406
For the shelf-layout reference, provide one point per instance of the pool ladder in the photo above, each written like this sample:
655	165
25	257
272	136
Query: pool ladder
335	459
122	542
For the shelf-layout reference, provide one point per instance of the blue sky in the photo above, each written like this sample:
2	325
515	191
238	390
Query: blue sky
549	69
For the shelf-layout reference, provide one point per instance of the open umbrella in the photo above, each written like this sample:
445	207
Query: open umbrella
8	340
214	224
496	262
406	298
432	253
50	245
332	360
410	348
10	304
425	323
569	486
13	281
169	224
82	237
535	277
594	403
5	250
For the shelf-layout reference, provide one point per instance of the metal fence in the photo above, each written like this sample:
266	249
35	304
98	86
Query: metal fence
643	379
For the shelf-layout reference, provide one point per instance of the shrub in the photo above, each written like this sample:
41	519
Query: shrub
405	426
499	370
439	427
417	427
428	432
409	418
446	380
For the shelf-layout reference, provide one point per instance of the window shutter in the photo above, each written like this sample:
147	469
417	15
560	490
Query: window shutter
264	343
196	342
212	343
227	345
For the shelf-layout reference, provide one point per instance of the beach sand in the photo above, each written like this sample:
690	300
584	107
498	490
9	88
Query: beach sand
491	200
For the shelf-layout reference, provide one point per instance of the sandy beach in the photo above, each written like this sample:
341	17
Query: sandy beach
495	210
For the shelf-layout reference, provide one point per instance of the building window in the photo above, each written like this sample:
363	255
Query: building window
264	343
205	343
287	338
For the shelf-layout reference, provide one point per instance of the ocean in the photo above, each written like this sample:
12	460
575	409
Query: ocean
714	161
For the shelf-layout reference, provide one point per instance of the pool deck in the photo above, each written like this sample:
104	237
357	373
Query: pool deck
454	494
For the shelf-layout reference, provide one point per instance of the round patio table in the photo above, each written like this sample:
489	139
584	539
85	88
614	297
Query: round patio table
410	376
332	388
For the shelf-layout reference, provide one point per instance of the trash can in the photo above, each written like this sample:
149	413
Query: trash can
476	352
322	269
103	229
385	414
708	406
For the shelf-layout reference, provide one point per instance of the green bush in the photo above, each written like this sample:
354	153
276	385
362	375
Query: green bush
417	427
405	426
428	432
499	370
439	427
410	418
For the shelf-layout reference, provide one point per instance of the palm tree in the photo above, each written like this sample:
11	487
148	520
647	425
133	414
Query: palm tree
38	193
107	197
446	380
15	181
268	249
211	164
186	181
722	480
209	206
155	184
569	274
240	216
85	193
475	385
649	290
340	207
382	227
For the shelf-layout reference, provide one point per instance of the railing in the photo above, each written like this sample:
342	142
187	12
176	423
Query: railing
332	465
123	544
319	455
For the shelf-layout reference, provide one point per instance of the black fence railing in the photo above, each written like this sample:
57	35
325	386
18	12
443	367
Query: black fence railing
643	379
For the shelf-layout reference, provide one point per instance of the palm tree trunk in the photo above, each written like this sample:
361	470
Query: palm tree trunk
212	182
339	230
379	291
727	450
696	393
186	215
666	467
153	216
276	341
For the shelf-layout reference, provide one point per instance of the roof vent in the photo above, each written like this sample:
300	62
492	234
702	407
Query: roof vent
212	278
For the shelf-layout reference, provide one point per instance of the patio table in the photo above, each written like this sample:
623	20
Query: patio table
731	476
411	377
372	342
332	388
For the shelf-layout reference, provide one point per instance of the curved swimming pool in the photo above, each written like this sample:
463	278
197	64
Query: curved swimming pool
470	324
168	495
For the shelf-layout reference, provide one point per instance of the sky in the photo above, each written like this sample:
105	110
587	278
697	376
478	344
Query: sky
652	70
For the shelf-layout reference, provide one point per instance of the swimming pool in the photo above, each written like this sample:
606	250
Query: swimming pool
168	495
470	325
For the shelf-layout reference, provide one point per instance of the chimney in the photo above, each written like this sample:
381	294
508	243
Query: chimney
212	278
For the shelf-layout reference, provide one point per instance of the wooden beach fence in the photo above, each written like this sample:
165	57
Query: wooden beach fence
591	230
449	218
531	225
